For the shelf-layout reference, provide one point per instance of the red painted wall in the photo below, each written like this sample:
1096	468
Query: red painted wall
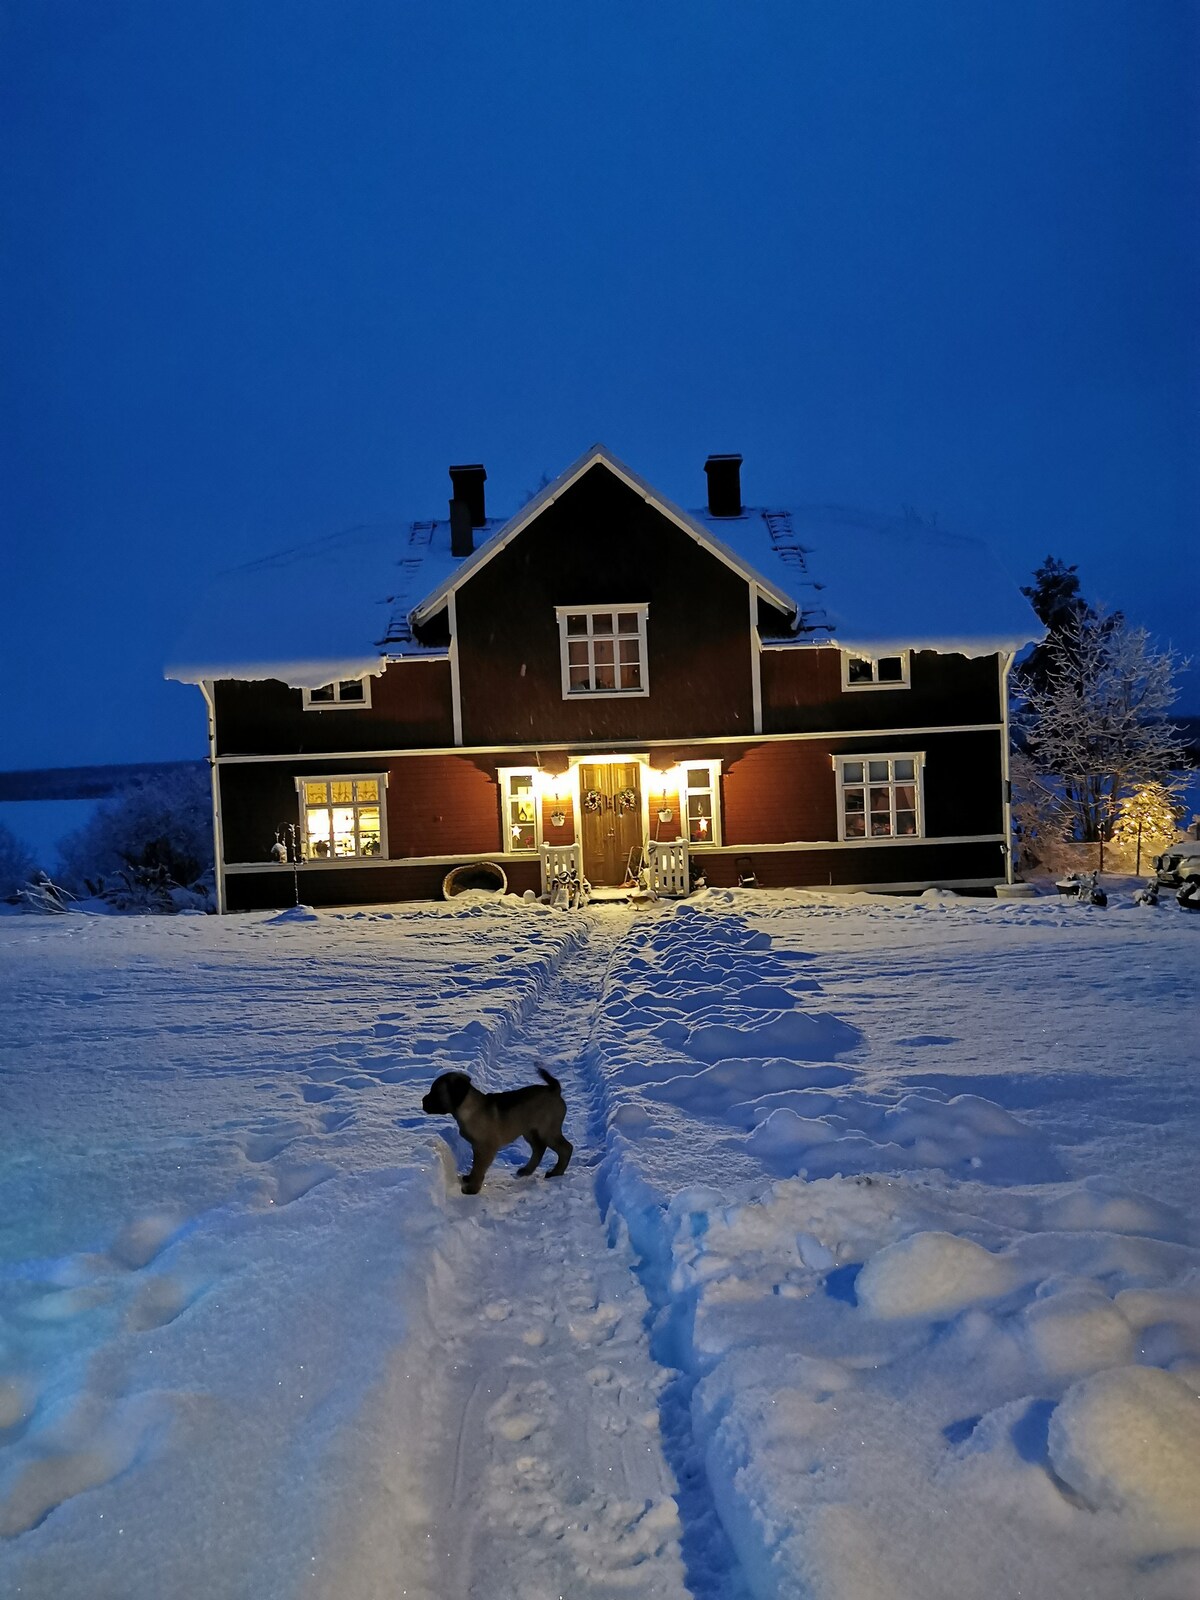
410	709
802	693
603	544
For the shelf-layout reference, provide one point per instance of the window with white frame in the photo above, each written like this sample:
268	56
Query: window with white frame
883	672
699	798
520	807
879	797
603	650
343	817
344	694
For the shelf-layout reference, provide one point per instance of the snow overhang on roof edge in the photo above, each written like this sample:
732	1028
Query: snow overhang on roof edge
296	674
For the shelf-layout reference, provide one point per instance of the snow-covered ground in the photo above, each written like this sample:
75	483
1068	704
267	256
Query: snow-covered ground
876	1271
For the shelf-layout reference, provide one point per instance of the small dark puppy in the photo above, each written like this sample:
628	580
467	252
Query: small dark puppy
490	1121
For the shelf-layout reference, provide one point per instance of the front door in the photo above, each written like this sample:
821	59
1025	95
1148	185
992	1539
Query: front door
610	794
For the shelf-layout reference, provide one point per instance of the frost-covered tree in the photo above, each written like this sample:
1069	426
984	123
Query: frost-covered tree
161	828
17	865
1148	819
1099	725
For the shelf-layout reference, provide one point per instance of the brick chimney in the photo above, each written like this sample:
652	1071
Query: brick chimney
462	534
468	486
724	486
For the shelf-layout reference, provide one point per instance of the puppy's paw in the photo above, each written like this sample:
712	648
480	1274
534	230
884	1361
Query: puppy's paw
468	1187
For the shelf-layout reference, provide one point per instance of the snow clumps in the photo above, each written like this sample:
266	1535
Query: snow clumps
932	1275
1128	1440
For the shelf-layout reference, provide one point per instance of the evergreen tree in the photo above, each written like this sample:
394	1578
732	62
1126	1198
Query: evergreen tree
1148	819
1055	597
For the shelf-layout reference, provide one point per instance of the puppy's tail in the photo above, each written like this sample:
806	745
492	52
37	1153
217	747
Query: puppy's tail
549	1078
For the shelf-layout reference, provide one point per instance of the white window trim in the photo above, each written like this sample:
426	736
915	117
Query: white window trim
563	612
507	847
903	682
917	757
713	789
337	703
381	778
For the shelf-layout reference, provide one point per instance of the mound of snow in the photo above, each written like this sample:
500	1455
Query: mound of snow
931	1275
294	914
1076	1332
1129	1441
796	1035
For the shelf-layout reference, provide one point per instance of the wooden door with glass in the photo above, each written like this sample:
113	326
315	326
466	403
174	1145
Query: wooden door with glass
610	804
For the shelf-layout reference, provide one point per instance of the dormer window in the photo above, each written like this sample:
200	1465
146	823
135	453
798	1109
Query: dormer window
882	672
603	651
345	694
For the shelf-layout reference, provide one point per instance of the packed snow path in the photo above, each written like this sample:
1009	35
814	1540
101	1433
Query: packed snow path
527	1396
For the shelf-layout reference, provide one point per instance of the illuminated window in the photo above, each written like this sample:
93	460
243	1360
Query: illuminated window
520	809
346	694
699	795
879	797
343	818
603	650
886	672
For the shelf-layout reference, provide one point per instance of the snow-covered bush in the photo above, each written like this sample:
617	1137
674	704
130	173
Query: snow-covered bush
149	848
17	865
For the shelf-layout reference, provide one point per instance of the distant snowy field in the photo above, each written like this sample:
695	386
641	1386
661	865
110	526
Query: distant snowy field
876	1272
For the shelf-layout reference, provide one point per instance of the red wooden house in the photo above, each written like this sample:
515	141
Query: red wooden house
813	693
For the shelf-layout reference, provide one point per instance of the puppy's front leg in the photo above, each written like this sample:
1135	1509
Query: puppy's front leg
482	1157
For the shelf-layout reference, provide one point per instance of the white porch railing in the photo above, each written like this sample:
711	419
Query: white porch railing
558	858
667	862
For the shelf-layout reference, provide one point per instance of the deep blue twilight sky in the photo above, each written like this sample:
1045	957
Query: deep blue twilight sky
269	266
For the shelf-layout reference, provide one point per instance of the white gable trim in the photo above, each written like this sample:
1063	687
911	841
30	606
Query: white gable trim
598	454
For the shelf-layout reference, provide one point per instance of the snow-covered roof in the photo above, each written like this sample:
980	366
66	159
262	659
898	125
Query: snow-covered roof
344	605
878	584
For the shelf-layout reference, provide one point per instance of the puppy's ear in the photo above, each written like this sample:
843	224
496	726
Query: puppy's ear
457	1085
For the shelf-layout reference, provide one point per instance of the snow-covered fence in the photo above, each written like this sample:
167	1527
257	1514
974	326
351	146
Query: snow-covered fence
669	867
558	858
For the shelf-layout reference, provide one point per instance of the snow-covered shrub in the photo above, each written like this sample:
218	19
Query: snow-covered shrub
17	865
149	848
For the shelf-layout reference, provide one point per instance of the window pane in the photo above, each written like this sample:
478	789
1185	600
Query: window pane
881	827
602	622
342	793
890	669
906	822
324	693
343	830
852	772
579	677
859	671
699	805
521	783
350	689
905	769
368	831
630	649
606	676
856	826
878	772
627	622
577	624
523	837
577	652
523	810
316	794
856	800
905	797
631	676
697	778
367	788
603	651
316	825
881	800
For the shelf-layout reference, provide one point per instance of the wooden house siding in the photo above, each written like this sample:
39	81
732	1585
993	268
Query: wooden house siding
802	692
880	865
356	886
410	709
602	544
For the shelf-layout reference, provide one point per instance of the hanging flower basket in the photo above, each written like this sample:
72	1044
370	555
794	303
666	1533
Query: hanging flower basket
558	818
665	813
